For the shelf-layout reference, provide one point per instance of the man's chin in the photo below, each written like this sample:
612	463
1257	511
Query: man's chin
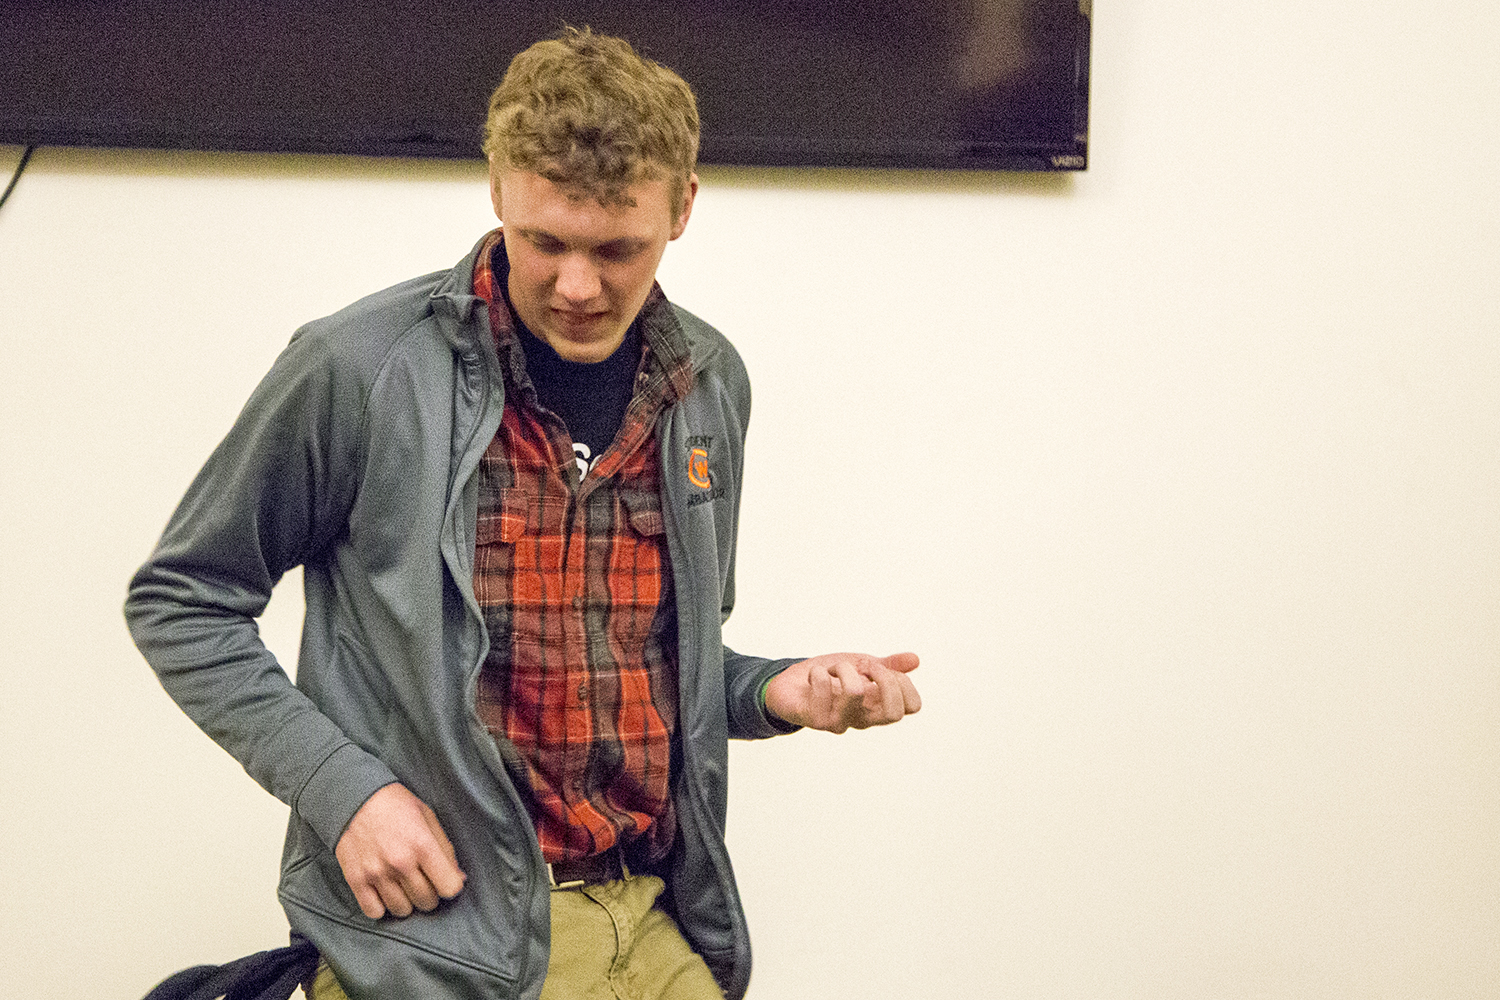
586	347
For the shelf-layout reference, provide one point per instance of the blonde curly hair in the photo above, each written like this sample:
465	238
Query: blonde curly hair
587	112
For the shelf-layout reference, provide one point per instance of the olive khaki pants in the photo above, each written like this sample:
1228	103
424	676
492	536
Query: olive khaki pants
609	942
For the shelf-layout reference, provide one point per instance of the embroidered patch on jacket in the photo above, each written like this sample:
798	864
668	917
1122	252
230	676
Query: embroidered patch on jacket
698	469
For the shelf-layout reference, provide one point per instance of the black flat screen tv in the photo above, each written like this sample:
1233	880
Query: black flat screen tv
978	84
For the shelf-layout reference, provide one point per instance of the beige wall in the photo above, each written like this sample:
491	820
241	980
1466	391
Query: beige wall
1182	475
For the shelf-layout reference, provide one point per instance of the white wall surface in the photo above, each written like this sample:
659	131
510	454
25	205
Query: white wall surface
1183	475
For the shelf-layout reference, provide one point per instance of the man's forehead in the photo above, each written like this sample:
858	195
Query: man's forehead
582	197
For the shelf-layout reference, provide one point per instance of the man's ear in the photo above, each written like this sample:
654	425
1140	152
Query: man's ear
680	223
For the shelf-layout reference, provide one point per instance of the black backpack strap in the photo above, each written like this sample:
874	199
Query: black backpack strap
266	975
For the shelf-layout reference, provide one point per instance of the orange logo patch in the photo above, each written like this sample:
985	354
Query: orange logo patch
698	468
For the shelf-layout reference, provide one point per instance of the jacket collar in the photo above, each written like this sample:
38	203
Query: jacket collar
459	310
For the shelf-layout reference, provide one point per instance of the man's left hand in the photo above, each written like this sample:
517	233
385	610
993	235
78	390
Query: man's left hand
840	691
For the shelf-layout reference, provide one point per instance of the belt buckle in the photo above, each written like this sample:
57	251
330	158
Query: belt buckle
577	883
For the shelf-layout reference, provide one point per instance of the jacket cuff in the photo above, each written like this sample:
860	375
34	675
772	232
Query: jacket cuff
748	718
342	783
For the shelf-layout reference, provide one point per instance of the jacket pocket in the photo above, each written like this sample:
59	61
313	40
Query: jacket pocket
458	952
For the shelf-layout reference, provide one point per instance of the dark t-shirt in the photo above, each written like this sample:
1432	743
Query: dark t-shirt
590	397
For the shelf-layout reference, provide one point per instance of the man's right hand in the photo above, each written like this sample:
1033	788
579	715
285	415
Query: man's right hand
396	857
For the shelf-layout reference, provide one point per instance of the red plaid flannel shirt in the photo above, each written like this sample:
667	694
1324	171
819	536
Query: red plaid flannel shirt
576	590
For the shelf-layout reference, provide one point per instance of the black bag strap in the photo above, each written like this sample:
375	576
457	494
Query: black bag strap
266	975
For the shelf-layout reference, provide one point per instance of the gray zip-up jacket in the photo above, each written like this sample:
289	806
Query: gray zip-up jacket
356	458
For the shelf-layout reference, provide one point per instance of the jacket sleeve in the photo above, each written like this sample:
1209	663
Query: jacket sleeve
745	680
745	677
275	493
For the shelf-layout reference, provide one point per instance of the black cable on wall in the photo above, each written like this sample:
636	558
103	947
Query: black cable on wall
20	168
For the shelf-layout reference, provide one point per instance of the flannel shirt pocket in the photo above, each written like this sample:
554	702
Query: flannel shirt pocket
643	510
506	521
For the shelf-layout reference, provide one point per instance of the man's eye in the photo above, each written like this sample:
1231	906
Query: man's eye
547	246
618	254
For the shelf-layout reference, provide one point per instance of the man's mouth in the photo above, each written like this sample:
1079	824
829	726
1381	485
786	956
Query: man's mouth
574	318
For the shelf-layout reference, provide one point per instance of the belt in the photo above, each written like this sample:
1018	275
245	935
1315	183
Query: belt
606	867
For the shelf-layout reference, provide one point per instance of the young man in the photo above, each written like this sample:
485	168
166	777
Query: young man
513	488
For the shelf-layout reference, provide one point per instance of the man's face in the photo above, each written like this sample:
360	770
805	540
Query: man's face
579	270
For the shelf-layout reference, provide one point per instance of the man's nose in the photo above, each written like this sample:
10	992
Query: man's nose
577	278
